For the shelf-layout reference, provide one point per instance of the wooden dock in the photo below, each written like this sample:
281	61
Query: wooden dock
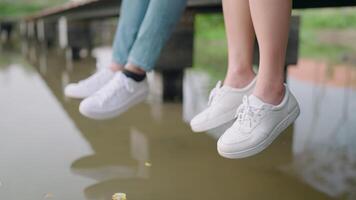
69	26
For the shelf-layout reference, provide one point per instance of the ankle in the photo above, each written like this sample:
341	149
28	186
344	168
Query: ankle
115	67
135	69
239	78
270	93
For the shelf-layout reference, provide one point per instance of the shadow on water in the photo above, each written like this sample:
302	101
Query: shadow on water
150	152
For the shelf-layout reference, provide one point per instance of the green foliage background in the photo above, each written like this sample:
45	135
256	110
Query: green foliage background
19	8
211	45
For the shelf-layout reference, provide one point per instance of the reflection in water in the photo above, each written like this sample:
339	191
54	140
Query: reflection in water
149	152
324	137
33	160
100	170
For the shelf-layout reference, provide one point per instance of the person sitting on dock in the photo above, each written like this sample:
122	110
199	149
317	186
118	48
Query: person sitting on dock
143	29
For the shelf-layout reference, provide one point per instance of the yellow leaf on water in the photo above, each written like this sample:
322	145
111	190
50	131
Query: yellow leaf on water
119	196
148	164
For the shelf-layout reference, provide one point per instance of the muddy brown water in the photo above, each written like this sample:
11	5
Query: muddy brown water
49	151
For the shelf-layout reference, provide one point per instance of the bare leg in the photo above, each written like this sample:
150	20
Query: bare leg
271	22
240	36
116	67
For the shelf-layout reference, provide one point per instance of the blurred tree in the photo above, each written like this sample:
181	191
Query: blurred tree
18	8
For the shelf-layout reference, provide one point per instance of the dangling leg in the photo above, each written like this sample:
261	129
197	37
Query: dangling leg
224	100
132	13
131	17
271	108
138	51
271	21
240	37
155	30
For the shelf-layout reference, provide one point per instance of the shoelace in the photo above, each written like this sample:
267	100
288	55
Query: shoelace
113	87
214	93
246	114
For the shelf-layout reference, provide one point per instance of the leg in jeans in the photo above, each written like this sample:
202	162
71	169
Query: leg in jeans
271	21
241	37
144	28
131	16
158	24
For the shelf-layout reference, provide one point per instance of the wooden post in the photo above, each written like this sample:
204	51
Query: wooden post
79	37
23	29
74	35
31	30
63	32
6	29
172	85
40	25
176	57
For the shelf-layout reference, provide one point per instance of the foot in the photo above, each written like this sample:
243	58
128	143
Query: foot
258	124
116	97
89	86
223	102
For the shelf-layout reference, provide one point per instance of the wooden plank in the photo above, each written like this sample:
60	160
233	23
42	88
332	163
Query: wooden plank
107	8
322	3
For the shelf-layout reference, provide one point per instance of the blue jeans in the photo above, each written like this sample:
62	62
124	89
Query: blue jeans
144	28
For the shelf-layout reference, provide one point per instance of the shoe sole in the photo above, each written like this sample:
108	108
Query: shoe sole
75	96
214	123
280	127
102	116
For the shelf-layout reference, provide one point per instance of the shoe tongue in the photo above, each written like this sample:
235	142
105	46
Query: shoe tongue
255	101
107	72
226	87
119	75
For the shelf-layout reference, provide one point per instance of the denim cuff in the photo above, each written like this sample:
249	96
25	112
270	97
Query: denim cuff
144	66
118	60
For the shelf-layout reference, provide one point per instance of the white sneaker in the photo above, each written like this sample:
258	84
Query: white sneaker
117	96
89	86
258	124
222	105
